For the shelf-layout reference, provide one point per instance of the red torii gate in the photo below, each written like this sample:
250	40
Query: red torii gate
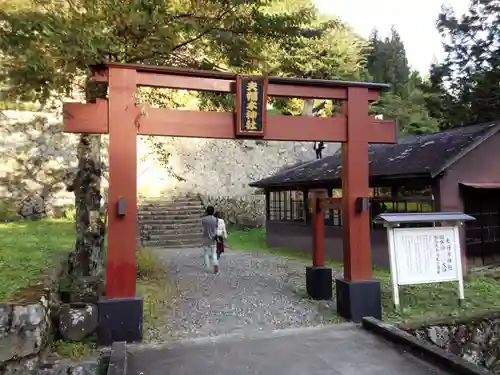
119	116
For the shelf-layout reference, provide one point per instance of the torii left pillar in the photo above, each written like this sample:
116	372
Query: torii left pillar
120	315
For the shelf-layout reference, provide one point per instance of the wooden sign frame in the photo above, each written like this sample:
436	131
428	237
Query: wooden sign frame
244	100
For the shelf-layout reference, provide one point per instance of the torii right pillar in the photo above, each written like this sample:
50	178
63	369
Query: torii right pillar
357	294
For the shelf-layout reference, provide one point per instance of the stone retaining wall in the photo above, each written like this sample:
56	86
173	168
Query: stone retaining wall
36	157
25	330
476	340
249	210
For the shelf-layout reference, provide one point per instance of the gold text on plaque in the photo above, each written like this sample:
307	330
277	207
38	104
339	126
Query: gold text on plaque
252	105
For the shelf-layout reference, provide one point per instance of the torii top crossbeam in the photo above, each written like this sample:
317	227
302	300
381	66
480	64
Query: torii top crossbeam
183	123
121	118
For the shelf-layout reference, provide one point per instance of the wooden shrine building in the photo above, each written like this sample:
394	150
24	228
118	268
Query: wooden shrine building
454	170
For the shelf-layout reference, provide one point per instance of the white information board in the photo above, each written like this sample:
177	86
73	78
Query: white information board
424	255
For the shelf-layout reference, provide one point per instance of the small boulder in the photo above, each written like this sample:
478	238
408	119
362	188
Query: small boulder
77	321
33	208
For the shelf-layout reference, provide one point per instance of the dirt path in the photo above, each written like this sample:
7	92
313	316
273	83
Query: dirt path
252	292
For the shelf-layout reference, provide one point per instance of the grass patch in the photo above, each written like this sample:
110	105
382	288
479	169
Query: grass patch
28	248
76	351
156	290
419	303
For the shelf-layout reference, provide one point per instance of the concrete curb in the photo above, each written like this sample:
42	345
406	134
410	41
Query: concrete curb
118	359
417	346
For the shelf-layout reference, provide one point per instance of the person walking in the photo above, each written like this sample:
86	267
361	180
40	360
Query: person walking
209	224
221	233
319	147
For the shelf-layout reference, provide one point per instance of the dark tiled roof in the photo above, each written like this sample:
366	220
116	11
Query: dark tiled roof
425	154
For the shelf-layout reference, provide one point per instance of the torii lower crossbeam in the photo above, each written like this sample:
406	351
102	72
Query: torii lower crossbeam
123	120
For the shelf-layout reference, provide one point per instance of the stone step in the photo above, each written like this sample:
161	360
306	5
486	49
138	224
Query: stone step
168	222
170	210
171	203
195	231
169	198
169	216
167	225
173	237
172	243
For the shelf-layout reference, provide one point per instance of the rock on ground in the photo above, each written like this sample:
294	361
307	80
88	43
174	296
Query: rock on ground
251	292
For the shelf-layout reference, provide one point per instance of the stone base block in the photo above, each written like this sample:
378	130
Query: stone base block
319	283
357	299
120	319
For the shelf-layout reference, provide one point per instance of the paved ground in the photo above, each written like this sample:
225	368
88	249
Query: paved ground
342	349
252	318
251	292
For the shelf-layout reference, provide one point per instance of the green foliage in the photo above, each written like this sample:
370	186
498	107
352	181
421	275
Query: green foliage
69	213
47	45
407	100
156	290
18	106
76	351
7	210
148	265
387	60
28	249
466	86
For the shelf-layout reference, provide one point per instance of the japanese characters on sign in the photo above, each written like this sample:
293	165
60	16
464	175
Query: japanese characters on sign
443	253
425	255
251	106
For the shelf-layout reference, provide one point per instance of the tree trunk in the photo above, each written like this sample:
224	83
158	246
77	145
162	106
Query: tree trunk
88	258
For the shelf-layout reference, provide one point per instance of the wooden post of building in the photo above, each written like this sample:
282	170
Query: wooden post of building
318	277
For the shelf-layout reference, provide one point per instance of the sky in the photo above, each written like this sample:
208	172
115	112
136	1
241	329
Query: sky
414	20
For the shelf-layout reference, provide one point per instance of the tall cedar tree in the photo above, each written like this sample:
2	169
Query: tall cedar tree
466	86
407	100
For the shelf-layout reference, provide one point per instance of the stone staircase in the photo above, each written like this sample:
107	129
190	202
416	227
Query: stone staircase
170	223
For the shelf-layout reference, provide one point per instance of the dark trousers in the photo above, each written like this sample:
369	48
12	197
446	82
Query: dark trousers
220	246
319	153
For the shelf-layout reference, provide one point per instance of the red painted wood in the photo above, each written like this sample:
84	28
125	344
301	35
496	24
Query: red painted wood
122	231
355	183
179	123
185	83
318	223
91	118
225	82
86	118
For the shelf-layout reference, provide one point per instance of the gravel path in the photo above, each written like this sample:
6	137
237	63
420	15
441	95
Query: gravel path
251	292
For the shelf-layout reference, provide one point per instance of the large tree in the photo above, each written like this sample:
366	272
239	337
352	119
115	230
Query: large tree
387	61
47	45
406	101
466	85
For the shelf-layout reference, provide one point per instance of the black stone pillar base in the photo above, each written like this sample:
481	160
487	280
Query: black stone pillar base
357	299
120	319
319	283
